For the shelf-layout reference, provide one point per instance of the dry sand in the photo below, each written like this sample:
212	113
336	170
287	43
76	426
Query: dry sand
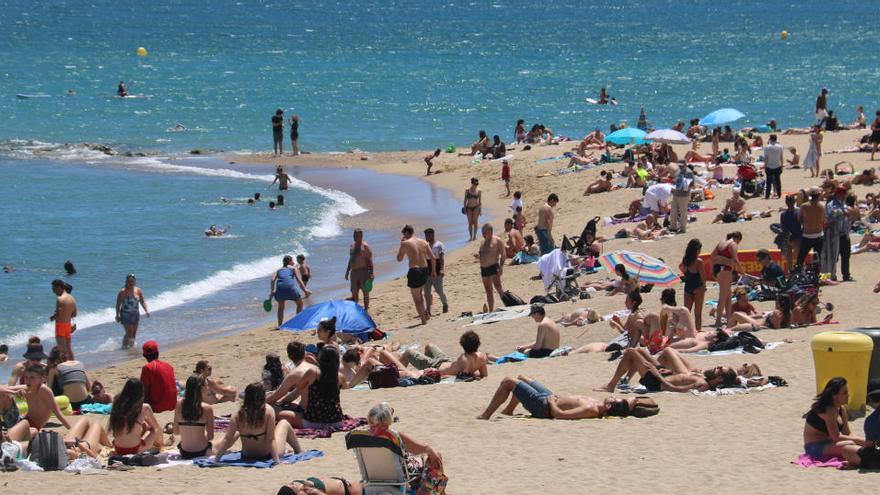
732	444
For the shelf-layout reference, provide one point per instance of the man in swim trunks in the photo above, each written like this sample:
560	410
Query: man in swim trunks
470	364
41	405
421	266
734	208
547	338
822	106
544	228
668	373
281	178
812	217
540	402
65	311
491	264
122	90
360	267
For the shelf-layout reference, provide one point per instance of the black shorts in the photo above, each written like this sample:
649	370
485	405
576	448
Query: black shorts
651	382
416	277
540	353
489	271
875	137
729	217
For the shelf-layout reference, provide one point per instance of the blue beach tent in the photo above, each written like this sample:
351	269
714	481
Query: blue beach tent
351	318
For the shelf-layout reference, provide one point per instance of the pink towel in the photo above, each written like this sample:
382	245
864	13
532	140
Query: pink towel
807	461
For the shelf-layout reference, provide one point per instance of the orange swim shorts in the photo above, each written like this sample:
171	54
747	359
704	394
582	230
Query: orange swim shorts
62	329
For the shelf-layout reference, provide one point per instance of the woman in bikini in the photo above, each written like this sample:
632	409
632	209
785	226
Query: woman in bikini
624	284
675	320
194	420
694	280
725	267
254	423
473	202
826	429
132	424
778	318
321	486
519	132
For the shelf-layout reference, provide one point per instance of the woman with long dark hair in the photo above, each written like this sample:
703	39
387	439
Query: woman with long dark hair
694	280
319	389
826	431
132	424
194	420
255	424
726	268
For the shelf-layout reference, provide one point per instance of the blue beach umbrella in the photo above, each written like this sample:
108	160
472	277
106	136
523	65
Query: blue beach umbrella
627	135
351	318
721	117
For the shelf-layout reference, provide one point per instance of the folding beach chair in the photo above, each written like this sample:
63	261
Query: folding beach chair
382	463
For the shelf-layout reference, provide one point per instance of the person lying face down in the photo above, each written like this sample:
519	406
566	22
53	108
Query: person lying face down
540	402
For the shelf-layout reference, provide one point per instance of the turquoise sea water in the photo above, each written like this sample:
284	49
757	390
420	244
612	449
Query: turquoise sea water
375	75
380	74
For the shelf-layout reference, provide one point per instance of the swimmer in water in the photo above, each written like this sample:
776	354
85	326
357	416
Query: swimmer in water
122	90
8	268
177	128
69	268
4	353
213	231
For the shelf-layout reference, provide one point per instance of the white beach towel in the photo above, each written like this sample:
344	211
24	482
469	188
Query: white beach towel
739	350
552	264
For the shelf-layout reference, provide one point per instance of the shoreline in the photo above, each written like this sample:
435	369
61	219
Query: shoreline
644	444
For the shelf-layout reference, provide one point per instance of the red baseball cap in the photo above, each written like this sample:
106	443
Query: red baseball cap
151	347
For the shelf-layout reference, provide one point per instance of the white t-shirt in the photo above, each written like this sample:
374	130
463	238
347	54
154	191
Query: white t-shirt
656	195
438	249
516	203
773	156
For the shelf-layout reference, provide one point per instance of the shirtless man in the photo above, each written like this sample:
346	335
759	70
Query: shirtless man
491	264
668	373
41	405
515	240
822	106
281	178
547	338
65	311
544	228
540	402
471	363
33	356
360	267
286	391
734	208
812	217
421	267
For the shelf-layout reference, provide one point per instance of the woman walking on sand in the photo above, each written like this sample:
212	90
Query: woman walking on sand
128	303
811	161
473	202
287	285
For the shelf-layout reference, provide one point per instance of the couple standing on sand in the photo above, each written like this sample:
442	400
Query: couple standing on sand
425	258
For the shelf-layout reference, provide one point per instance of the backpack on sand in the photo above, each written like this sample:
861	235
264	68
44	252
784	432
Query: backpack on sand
47	450
509	299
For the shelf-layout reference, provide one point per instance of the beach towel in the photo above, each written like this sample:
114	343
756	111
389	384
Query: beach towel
733	391
516	357
552	159
738	350
806	461
235	459
221	423
348	424
553	263
96	408
506	314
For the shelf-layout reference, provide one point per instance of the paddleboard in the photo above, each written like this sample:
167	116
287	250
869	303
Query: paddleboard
23	96
134	97
593	101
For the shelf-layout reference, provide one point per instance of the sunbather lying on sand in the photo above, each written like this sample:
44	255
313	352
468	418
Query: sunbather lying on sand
321	486
579	318
668	372
471	363
540	402
602	184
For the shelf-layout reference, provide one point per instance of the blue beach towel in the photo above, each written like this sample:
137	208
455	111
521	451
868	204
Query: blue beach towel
235	459
513	357
96	408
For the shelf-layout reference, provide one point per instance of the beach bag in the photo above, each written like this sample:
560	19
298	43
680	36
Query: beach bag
510	299
47	450
384	376
433	481
869	458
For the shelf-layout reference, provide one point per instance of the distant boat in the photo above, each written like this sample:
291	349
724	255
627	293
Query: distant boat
23	96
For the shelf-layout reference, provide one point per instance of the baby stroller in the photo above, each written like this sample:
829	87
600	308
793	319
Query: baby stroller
566	286
559	277
747	176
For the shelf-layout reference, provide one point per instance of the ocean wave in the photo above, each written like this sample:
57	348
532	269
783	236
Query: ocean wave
214	283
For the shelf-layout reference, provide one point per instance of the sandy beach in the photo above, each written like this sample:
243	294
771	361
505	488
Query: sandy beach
696	444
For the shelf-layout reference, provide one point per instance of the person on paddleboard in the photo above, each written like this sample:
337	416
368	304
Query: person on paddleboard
122	90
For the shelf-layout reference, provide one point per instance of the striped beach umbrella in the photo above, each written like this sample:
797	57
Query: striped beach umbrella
649	270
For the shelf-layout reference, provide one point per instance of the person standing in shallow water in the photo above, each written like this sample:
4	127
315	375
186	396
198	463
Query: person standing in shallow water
65	311
294	134
278	131
128	313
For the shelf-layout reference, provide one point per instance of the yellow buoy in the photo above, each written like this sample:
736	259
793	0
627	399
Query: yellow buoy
784	35
142	52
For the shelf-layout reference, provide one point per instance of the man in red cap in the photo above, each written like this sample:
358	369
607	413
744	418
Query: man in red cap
160	387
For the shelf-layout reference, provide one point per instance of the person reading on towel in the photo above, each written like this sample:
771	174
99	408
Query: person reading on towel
470	364
547	339
541	403
668	373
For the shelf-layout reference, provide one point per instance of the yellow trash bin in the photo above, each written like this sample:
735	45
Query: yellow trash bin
846	354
